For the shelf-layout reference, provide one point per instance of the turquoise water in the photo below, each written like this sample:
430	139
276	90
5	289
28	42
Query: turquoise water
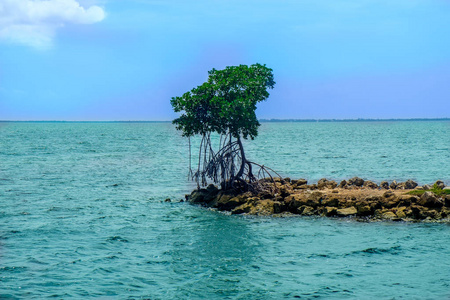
82	216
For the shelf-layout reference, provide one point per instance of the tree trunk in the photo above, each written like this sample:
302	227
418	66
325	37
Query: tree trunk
243	159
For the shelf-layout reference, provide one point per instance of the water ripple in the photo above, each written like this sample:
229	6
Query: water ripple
82	215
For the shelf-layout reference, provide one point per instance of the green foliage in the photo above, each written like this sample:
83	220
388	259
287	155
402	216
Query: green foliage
225	103
435	189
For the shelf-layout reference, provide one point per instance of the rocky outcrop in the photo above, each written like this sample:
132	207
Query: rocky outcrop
353	198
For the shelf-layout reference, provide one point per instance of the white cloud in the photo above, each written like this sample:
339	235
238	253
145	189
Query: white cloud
34	22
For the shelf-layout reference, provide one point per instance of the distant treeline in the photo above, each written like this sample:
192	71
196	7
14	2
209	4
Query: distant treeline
50	121
352	120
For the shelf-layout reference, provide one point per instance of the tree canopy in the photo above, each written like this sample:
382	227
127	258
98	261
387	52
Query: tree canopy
224	104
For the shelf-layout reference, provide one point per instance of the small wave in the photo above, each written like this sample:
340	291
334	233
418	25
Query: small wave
318	255
13	269
117	238
113	185
392	250
36	261
326	291
158	262
55	208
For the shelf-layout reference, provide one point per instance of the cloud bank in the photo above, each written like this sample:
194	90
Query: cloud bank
34	22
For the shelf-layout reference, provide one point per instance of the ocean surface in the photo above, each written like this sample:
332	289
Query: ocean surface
82	216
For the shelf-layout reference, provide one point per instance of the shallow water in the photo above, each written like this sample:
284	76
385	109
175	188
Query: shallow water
82	216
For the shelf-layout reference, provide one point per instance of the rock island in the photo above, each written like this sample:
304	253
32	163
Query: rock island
358	198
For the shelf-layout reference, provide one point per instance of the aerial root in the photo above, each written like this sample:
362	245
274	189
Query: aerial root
229	167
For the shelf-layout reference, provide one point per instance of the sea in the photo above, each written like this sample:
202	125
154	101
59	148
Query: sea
85	214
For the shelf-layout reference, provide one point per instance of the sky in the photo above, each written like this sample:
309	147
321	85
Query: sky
122	60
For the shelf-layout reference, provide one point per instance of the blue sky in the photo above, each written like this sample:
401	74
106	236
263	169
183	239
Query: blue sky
124	60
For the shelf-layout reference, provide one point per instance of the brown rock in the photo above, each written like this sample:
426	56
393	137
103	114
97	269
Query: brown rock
447	200
384	185
378	212
439	184
330	211
286	180
277	179
409	184
285	191
432	214
390	204
445	212
401	186
293	202
334	202
389	215
373	198
370	184
408	212
375	205
343	183
325	183
356	181
299	182
393	185
228	203
405	200
344	212
401	212
417	212
264	208
204	196
364	210
314	199
344	203
266	195
322	183
197	196
243	208
332	184
389	195
306	211
429	199
427	187
278	207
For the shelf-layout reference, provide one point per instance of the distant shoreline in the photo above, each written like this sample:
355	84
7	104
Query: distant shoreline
353	120
261	120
